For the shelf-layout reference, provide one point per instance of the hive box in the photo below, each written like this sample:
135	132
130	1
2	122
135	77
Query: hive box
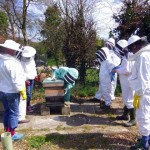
53	92
54	96
53	88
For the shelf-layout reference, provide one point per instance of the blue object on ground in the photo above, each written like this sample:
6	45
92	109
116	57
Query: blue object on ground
17	136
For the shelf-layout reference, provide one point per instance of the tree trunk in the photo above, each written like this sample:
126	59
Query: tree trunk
24	15
82	72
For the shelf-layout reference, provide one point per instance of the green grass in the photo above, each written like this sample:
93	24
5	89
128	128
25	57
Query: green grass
80	141
38	141
59	128
84	90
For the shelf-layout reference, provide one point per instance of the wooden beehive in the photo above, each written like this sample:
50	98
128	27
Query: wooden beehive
53	92
54	96
53	88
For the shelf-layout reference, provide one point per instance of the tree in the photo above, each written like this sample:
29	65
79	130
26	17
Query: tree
79	43
133	19
3	24
19	17
53	33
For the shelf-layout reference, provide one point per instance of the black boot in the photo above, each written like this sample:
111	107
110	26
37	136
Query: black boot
125	114
132	121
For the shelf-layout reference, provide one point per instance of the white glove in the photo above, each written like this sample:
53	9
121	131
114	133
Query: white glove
53	79
65	90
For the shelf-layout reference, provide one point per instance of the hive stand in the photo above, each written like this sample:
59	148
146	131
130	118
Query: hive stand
54	97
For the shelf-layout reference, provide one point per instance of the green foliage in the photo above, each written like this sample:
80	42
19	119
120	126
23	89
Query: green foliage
53	33
99	43
52	15
134	16
38	92
51	62
36	141
84	90
3	23
90	86
40	47
92	75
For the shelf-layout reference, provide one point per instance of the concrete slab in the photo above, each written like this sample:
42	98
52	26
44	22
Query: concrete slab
81	115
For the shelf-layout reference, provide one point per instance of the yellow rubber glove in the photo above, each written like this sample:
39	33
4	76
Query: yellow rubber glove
136	101
23	93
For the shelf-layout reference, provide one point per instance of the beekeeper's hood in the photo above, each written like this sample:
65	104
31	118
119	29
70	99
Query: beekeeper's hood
120	50
102	54
110	43
28	51
146	46
10	44
71	75
133	39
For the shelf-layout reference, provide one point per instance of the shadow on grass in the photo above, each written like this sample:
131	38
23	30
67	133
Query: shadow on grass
84	141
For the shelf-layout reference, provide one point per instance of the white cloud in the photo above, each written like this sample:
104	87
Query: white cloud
104	11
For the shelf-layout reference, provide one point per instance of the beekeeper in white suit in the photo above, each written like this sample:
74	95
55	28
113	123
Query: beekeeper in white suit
140	83
124	72
110	44
28	63
106	65
12	85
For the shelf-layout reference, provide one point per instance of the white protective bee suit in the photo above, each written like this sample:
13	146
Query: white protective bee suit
104	76
116	61
124	72
140	83
11	84
29	69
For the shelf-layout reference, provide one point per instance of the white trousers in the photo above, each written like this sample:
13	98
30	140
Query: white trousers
113	87
22	109
143	115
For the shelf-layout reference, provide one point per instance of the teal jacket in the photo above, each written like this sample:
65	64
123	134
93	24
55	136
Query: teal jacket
61	72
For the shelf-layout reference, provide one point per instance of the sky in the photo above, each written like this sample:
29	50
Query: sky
102	14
